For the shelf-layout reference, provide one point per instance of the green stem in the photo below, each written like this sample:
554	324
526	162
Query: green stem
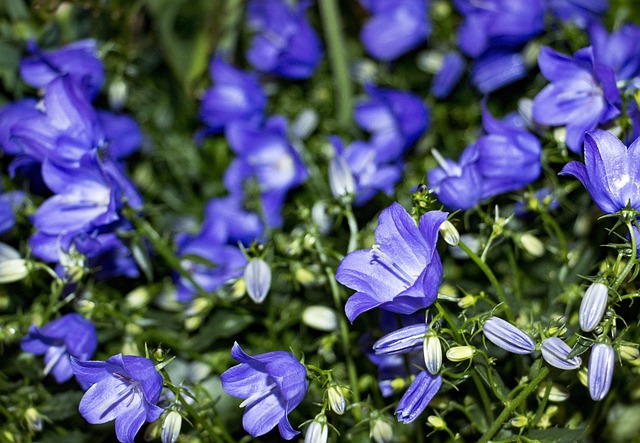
332	24
512	405
630	264
353	229
492	278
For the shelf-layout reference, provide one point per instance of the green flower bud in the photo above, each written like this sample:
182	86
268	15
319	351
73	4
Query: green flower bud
337	401
519	421
33	419
436	422
532	245
461	353
449	233
321	318
381	431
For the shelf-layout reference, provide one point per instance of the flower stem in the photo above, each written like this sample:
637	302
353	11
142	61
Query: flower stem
353	229
492	278
632	260
512	405
332	24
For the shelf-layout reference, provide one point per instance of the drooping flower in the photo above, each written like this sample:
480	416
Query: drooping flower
508	337
285	44
593	306
402	272
555	352
394	28
235	95
611	172
68	336
582	94
420	393
272	384
124	388
600	370
78	60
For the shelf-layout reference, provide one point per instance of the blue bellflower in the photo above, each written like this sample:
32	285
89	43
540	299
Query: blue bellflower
611	172
579	12
394	28
582	94
555	352
68	336
235	95
396	119
420	393
448	76
457	185
272	384
508	337
124	388
618	51
285	44
402	272
407	339
497	68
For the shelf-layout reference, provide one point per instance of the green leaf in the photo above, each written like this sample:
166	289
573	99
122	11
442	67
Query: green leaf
557	435
222	324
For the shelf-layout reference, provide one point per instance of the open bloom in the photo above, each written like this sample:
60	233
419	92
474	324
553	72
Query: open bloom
611	172
124	388
272	384
402	272
69	335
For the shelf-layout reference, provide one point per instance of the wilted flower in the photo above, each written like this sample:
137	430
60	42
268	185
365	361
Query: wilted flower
555	352
272	384
402	272
610	171
508	337
257	277
66	336
593	306
124	388
420	393
600	370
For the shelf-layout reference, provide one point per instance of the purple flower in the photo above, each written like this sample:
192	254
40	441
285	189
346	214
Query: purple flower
226	221
457	185
124	388
582	94
580	12
79	61
272	384
402	272
498	24
395	28
600	370
407	339
69	335
497	68
420	393
284	44
266	155
453	66
506	336
396	119
122	134
10	202
611	172
11	114
555	352
235	95
617	51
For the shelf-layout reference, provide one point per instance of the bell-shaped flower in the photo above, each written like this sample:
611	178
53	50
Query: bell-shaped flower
11	114
124	388
611	172
508	337
403	340
396	119
497	68
420	393
618	50
600	370
402	272
555	352
68	336
266	155
235	95
272	384
122	134
582	94
394	28
448	75
593	306
579	12
78	60
285	44
457	185
257	278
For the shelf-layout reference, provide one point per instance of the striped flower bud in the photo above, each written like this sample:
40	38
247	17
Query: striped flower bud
381	431
318	431
628	352
337	402
600	370
340	177
593	305
171	427
257	277
555	352
506	336
432	349
403	340
449	233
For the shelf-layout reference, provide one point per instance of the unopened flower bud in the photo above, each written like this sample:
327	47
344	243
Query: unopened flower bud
321	318
467	301
432	349
138	298
436	422
318	431
583	376
557	393
117	94
519	421
532	245
304	124
171	427
257	277
449	233
555	352
381	431
593	306
402	340
340	177
628	352
337	402
13	270
33	419
600	370
508	337
461	353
